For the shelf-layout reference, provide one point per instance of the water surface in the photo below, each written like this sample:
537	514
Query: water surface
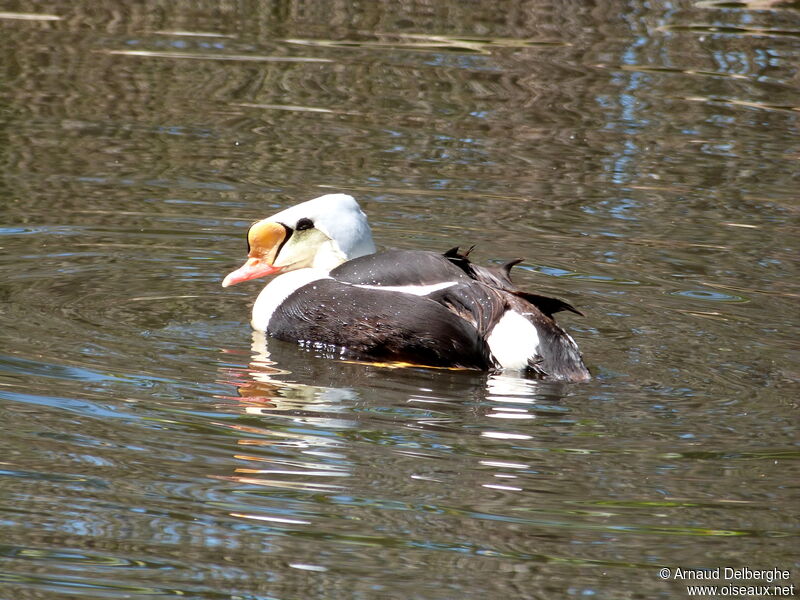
641	158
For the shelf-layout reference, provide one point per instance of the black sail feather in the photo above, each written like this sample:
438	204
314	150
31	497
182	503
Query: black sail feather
548	305
500	277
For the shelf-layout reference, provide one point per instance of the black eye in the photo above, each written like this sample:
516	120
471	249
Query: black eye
303	224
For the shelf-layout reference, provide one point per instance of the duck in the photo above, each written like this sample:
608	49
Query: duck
333	291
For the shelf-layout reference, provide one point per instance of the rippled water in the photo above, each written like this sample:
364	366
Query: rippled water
643	159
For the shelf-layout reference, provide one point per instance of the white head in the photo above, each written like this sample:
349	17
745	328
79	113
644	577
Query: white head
321	233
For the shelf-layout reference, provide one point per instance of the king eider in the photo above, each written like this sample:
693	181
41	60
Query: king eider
335	292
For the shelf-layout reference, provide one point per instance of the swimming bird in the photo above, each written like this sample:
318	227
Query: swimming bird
334	292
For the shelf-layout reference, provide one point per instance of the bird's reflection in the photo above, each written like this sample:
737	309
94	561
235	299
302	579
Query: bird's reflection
312	420
269	390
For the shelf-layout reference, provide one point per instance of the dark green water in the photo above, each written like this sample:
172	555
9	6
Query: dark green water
644	159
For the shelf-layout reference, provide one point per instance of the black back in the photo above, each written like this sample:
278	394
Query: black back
399	267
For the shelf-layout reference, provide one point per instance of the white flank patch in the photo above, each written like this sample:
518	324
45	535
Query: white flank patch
417	290
513	341
277	290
